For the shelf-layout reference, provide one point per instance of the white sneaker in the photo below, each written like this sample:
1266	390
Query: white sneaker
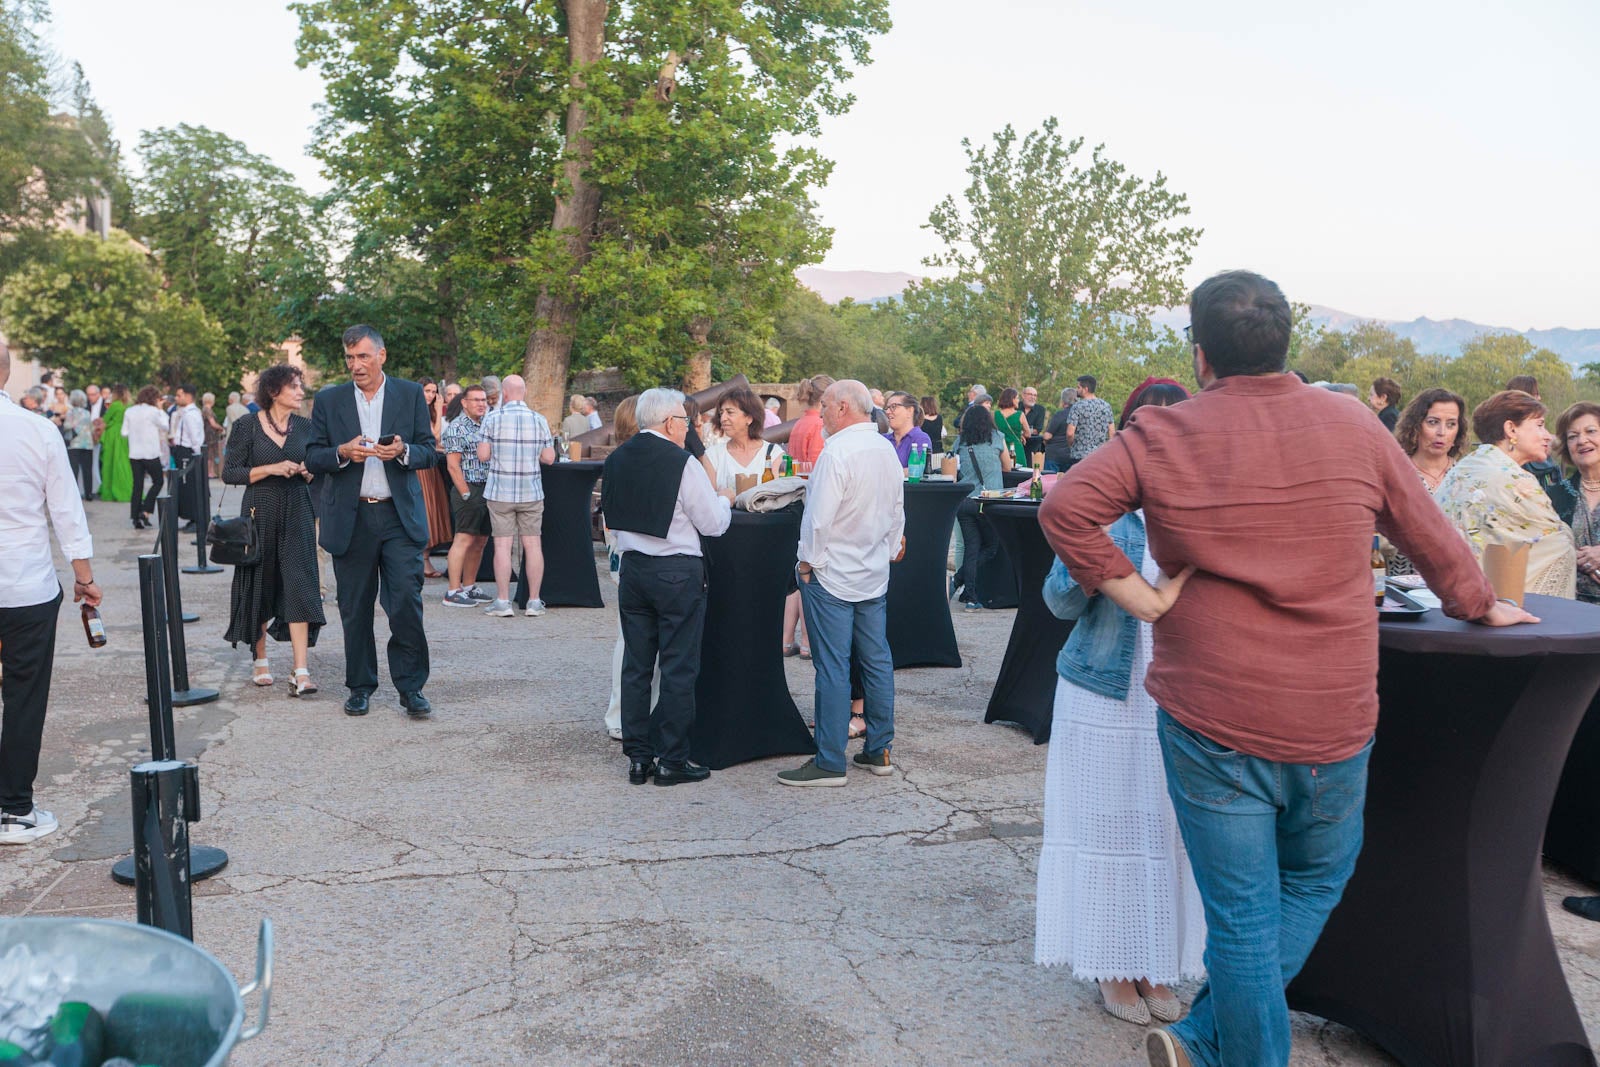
500	609
20	829
535	609
615	732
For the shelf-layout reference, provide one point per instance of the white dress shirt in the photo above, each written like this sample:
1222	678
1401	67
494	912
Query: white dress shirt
594	420
36	491
855	513
374	482
145	427
188	428
698	510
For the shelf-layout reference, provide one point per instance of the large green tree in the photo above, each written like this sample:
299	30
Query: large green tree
226	225
1058	261
626	180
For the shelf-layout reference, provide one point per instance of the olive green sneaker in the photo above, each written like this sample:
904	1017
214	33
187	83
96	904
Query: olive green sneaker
878	764
808	773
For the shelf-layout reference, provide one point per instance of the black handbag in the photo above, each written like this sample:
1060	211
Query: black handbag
233	541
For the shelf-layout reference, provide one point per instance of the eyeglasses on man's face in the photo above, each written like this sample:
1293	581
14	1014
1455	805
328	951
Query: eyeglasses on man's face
669	419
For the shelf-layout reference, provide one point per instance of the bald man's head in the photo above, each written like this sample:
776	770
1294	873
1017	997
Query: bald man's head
512	387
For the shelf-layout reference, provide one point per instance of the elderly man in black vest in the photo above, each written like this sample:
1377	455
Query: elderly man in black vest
658	502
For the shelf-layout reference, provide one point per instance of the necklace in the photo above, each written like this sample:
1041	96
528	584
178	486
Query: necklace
1590	487
1432	480
281	431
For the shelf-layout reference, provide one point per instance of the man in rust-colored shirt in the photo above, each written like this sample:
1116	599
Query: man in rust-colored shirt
1261	496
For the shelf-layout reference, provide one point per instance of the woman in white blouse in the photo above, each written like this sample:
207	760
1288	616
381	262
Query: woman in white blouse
145	427
741	449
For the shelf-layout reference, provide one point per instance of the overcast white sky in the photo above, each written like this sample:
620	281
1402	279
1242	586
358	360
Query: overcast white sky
1391	159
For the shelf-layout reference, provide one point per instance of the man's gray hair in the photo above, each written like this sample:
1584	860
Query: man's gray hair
655	406
1068	395
233	398
491	381
78	398
853	394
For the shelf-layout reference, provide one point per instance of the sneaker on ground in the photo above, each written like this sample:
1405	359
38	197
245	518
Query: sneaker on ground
459	599
535	609
20	829
500	609
479	595
878	764
615	732
809	774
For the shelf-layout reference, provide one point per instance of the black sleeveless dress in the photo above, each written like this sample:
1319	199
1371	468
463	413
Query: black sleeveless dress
283	587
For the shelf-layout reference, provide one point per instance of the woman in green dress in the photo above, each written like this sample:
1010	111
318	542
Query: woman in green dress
1008	420
116	473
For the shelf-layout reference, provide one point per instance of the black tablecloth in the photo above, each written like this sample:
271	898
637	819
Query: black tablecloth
1025	691
920	631
570	580
1440	950
743	710
1572	836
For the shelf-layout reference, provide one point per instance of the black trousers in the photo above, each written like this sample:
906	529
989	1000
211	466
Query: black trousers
382	562
662	602
978	546
82	460
27	655
141	469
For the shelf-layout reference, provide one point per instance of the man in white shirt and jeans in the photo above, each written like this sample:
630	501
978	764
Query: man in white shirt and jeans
852	530
36	491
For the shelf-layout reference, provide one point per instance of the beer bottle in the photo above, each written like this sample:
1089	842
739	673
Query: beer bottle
1379	571
1036	490
93	628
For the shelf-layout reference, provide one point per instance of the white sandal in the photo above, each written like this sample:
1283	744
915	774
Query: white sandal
260	678
302	686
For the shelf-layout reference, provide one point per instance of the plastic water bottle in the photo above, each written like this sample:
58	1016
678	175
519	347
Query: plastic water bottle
916	463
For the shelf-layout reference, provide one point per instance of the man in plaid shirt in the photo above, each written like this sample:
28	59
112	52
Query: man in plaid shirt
515	440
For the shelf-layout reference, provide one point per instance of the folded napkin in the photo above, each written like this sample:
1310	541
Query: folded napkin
772	496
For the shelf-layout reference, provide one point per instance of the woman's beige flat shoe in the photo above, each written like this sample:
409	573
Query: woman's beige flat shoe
1135	1013
1164	1009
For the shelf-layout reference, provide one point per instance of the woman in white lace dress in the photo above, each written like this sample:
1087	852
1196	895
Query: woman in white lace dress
1117	901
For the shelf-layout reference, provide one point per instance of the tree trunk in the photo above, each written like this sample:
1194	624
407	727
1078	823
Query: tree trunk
697	371
549	353
446	363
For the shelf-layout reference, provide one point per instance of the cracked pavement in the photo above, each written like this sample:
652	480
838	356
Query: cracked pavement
486	888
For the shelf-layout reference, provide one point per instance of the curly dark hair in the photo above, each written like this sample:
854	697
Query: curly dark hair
149	395
274	380
977	426
1410	424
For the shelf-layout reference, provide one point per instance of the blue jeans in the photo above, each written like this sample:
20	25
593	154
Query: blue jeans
835	626
1272	846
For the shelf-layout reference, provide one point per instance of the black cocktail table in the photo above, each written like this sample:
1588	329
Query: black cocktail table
743	710
1024	692
920	631
1440	950
569	580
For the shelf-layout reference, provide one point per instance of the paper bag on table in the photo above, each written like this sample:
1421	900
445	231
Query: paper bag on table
1506	567
741	482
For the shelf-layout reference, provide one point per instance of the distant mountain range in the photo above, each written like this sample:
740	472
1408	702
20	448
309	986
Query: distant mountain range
1429	335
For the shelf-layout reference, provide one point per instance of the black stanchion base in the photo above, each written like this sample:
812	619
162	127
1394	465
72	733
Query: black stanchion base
204	861
207	569
183	698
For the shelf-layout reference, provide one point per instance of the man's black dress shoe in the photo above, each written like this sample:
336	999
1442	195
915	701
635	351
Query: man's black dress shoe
673	773
640	770
416	705
355	704
1588	907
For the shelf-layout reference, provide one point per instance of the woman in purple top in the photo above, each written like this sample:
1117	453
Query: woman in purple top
902	409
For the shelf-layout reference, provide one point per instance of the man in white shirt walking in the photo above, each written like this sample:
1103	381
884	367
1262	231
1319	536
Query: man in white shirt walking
36	491
852	530
188	443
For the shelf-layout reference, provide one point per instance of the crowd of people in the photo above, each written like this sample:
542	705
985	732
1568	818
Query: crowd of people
1203	807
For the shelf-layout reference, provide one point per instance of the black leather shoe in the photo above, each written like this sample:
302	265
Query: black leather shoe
355	704
640	770
673	773
1588	907
416	705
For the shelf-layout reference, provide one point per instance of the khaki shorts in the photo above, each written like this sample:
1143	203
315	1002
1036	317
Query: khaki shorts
516	519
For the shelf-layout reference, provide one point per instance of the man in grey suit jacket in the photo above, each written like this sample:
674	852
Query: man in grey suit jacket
368	440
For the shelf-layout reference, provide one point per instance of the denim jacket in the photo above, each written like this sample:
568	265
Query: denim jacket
1098	655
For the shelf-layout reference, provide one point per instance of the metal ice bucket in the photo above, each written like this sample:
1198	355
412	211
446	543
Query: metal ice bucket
117	958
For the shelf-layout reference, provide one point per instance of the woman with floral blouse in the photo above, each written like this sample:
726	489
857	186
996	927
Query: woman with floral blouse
1492	500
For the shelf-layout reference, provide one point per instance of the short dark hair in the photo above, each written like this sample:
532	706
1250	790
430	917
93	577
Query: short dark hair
1410	424
1387	388
1008	397
745	399
1156	395
188	387
1527	383
1510	405
362	332
1088	382
275	379
1564	423
1241	322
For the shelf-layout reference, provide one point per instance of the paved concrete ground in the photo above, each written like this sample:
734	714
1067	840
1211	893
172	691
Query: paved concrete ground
486	888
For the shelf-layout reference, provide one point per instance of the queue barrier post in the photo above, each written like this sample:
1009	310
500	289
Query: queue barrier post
183	694
201	499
